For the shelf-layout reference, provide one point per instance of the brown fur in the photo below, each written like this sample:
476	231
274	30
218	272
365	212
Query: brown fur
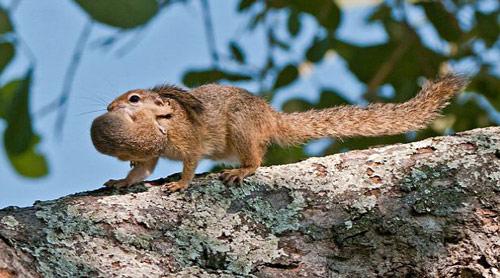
375	119
229	123
192	105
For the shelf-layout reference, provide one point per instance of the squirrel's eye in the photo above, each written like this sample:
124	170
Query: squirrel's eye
134	98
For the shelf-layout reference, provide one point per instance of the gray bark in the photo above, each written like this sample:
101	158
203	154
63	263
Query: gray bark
425	209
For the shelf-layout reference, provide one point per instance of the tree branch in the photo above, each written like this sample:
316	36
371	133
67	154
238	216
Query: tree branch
61	103
424	209
209	31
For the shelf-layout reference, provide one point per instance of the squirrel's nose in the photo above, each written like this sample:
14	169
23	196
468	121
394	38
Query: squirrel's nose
115	105
111	107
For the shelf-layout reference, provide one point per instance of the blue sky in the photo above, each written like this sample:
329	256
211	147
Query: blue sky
174	41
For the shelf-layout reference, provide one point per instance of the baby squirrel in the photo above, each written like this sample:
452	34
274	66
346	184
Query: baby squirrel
229	123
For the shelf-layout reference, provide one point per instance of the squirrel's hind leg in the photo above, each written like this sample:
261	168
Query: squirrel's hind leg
250	158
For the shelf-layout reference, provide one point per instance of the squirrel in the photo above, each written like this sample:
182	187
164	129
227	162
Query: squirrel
222	122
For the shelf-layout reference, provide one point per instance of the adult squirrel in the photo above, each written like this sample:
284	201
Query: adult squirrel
229	123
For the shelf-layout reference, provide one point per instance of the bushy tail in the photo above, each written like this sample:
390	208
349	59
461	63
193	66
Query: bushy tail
373	120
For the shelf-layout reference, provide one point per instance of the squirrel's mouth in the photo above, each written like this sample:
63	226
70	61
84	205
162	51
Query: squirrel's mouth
106	133
111	134
116	134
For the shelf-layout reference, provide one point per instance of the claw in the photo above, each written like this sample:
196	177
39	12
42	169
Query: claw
174	186
231	177
116	183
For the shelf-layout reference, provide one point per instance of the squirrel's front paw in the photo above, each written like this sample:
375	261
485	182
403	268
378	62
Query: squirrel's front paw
116	183
174	186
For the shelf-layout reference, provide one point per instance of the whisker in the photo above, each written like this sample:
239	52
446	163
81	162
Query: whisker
105	101
89	112
93	100
97	94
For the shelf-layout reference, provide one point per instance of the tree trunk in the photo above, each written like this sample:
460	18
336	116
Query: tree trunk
425	209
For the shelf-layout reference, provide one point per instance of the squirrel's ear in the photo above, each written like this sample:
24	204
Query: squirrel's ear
167	102
159	101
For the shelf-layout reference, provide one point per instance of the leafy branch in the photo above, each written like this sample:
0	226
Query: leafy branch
209	31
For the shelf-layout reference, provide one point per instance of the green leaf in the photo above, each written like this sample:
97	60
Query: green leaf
488	27
317	50
19	135
19	139
364	62
7	93
279	155
326	12
445	23
199	77
245	4
7	52
468	115
487	85
5	24
294	24
381	13
404	61
296	105
277	4
286	76
29	163
120	13
229	76
328	98
236	52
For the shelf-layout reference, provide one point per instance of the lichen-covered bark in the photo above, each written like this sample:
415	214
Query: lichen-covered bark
426	209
